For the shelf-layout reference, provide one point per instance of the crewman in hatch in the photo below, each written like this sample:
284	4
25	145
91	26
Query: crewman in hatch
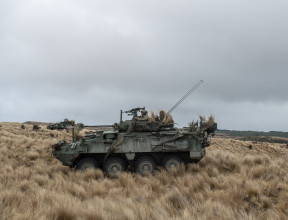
144	116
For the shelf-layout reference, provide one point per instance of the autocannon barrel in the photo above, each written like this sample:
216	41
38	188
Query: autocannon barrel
98	126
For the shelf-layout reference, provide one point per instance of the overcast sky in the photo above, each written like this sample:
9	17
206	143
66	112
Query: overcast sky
86	60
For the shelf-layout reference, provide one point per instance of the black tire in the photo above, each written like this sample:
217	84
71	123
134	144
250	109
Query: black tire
114	165
86	163
171	162
145	165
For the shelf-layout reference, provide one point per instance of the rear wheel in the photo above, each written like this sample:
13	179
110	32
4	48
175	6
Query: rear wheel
114	165
171	162
87	163
144	165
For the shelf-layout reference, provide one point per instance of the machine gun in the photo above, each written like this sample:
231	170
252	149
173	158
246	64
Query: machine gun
132	111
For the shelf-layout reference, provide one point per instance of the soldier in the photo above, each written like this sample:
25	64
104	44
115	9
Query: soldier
144	116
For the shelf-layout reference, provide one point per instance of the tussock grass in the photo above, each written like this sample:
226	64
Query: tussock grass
233	181
152	117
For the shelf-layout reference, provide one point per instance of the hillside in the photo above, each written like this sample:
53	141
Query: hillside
260	136
236	180
233	133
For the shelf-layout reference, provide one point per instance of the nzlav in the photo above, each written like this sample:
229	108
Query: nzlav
142	142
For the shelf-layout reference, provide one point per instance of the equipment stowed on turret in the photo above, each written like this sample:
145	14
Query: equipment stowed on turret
143	142
144	122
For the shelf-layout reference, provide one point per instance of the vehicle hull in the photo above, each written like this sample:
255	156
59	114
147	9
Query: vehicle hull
129	146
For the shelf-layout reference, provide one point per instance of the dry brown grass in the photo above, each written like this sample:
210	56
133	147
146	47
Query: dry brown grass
233	181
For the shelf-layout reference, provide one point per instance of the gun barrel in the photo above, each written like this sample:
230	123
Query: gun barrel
133	110
98	126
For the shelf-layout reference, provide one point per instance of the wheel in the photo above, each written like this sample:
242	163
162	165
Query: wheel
87	163
171	162
144	165
114	165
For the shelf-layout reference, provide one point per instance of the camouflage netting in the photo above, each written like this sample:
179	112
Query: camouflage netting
153	123
164	118
201	126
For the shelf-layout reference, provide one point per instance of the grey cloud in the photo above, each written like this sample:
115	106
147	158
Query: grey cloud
89	58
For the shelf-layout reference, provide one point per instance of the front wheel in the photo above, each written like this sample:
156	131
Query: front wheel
87	163
145	165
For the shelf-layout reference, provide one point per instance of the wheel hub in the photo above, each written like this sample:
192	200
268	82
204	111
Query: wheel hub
114	168
173	164
146	167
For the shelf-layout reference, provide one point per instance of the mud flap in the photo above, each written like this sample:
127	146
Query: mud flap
197	154
130	156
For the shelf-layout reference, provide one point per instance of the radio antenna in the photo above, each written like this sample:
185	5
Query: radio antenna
186	95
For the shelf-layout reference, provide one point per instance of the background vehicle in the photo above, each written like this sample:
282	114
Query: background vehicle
61	125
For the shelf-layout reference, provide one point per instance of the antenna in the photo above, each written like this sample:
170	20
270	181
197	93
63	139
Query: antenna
186	95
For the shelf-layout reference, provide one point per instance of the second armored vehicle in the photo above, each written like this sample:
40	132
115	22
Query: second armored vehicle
61	125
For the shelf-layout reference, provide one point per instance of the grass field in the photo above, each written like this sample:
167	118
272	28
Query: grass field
236	180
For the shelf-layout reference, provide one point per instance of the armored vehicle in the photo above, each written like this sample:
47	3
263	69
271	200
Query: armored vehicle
142	142
61	125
